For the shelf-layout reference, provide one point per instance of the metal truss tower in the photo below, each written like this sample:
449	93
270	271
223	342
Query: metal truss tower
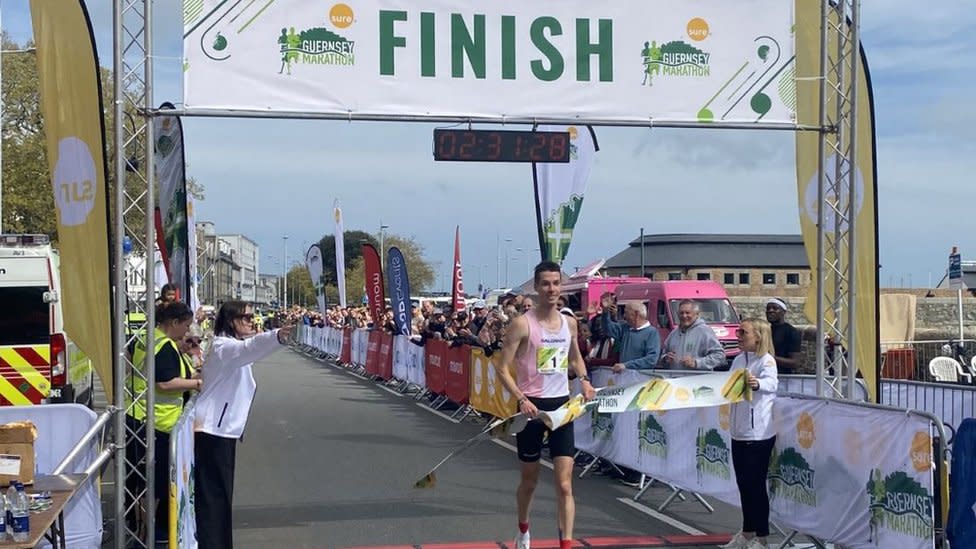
837	195
133	217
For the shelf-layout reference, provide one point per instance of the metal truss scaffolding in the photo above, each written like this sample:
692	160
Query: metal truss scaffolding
134	206
135	452
837	195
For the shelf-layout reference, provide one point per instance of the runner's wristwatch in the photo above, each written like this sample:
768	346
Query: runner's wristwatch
585	378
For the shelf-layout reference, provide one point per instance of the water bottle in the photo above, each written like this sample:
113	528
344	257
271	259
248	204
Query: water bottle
9	508
21	515
3	517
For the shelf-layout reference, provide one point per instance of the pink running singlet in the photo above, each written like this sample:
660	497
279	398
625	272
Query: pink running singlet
542	369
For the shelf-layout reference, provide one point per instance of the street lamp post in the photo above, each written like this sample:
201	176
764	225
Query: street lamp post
507	242
284	270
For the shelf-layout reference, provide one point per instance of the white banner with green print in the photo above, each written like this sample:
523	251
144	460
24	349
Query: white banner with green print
559	189
633	61
847	474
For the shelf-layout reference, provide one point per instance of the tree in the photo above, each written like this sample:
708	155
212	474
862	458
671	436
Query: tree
419	271
353	241
27	196
300	288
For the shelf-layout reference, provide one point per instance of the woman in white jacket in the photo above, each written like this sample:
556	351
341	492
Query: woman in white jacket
221	412
753	432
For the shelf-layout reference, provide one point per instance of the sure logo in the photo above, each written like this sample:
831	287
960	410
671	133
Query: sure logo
74	181
698	29
341	16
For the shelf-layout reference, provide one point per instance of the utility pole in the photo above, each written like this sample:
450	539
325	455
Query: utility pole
642	252
284	271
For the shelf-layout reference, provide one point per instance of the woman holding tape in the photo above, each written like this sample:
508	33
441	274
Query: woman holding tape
221	412
753	432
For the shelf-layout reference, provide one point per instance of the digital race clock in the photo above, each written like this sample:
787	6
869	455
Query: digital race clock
500	146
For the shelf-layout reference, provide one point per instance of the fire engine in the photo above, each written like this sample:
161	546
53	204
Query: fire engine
39	363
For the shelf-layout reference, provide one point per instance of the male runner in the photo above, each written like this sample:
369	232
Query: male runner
541	345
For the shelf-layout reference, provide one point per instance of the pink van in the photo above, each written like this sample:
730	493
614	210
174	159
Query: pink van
662	299
586	286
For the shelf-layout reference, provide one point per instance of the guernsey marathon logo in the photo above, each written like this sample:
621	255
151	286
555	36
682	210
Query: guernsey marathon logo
677	58
712	455
318	45
791	478
602	425
653	439
900	504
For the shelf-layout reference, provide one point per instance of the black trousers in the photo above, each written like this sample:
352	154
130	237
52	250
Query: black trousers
751	461
214	480
162	485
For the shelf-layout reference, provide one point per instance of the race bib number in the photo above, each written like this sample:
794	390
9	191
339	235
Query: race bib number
552	360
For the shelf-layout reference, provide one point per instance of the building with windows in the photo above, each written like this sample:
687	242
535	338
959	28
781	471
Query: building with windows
246	254
268	293
746	264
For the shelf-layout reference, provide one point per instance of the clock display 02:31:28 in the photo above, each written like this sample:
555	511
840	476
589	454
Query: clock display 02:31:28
501	146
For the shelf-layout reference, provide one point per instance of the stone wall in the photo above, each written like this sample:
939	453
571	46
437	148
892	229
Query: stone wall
933	315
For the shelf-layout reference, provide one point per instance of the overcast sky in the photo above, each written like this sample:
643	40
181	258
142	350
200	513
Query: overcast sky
270	178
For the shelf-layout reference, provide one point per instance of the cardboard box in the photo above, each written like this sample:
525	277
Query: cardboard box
17	452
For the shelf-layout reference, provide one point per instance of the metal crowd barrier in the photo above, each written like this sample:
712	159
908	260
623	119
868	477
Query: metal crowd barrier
950	403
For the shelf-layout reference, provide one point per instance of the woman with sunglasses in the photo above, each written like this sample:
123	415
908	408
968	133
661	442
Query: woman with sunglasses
221	413
753	432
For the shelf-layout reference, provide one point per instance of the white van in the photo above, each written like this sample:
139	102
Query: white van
39	364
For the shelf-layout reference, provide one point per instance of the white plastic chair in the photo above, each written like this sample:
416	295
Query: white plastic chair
944	369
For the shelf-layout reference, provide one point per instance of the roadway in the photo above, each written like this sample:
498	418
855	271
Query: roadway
329	459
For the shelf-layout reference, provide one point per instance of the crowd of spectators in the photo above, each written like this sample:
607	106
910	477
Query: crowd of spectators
478	325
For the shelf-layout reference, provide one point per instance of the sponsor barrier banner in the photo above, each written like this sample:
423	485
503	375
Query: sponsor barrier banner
384	357
846	474
435	359
182	525
373	352
488	394
359	346
457	376
632	61
345	356
854	476
415	370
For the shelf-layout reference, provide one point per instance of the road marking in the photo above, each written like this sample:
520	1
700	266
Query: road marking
437	412
510	446
662	517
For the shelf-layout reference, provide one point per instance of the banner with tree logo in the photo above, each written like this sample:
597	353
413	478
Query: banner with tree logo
635	61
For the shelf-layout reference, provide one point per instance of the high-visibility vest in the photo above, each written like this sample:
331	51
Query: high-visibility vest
169	404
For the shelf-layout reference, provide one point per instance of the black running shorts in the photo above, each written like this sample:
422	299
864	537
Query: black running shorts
562	442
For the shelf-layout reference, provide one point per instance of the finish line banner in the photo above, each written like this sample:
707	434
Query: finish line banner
643	395
633	61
